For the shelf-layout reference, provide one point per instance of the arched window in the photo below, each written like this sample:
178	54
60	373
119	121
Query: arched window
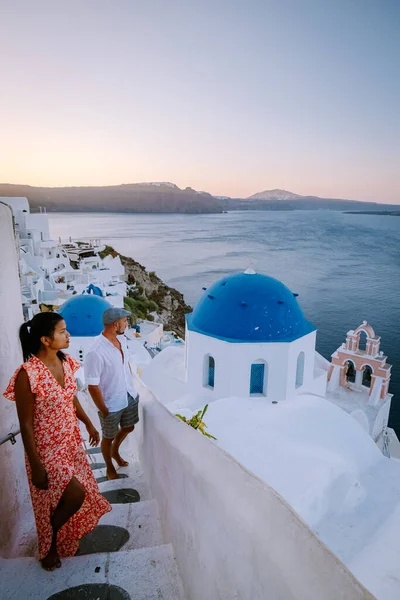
208	371
259	378
300	370
366	379
350	372
362	341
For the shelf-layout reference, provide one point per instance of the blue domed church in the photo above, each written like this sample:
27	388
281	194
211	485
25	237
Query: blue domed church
83	315
247	336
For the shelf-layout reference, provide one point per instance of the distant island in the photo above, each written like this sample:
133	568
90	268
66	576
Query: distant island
166	197
389	213
284	200
127	198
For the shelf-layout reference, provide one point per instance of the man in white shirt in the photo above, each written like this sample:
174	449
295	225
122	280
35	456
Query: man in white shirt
111	386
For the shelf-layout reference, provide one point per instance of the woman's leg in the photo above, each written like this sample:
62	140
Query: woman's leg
69	504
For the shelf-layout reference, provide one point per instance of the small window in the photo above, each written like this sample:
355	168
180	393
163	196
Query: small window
258	374
300	370
211	372
208	371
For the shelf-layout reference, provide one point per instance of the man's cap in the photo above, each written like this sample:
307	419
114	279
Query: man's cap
110	315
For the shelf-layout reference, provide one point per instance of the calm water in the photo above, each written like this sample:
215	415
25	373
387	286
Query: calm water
346	268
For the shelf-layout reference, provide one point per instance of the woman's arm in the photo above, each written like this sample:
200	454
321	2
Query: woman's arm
94	437
25	404
80	413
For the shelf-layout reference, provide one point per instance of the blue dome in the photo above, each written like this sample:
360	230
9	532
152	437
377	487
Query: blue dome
249	307
83	315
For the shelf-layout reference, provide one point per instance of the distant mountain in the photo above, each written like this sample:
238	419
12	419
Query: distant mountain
288	201
154	197
166	197
274	195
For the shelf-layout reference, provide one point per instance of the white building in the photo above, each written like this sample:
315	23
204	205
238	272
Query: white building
248	337
47	275
250	354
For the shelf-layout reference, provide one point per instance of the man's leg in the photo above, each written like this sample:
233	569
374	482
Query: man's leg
106	445
129	417
109	429
119	438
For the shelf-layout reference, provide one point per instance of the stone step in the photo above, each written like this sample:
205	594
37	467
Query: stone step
136	525
103	478
95	450
141	520
135	480
103	538
96	466
122	496
144	574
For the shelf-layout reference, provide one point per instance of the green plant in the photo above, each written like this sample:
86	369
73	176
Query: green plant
197	422
140	307
127	306
152	306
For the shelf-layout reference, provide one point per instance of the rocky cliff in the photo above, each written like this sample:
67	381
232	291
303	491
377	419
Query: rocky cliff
152	299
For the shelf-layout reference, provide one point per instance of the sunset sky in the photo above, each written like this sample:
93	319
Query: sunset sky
228	96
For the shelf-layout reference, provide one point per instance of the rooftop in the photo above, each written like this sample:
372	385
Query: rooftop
249	307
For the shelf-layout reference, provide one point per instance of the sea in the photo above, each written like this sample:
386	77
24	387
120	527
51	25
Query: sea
345	267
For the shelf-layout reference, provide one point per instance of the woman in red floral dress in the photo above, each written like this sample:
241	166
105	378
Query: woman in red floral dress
66	500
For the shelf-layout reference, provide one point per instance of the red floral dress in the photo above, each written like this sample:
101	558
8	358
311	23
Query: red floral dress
59	445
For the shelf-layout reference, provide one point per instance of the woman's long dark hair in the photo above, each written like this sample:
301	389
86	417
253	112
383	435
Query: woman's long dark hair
42	325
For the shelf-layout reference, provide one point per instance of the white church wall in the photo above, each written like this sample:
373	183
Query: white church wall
375	396
334	381
198	347
381	420
305	344
14	493
233	364
268	552
319	383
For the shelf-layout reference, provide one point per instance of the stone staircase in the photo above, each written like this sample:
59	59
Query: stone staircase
124	558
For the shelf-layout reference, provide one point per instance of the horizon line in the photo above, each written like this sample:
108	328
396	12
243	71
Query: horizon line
300	196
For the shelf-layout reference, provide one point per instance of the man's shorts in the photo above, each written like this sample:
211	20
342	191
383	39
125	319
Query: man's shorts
127	417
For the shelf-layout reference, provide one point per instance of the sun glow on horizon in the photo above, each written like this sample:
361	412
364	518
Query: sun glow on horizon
139	96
